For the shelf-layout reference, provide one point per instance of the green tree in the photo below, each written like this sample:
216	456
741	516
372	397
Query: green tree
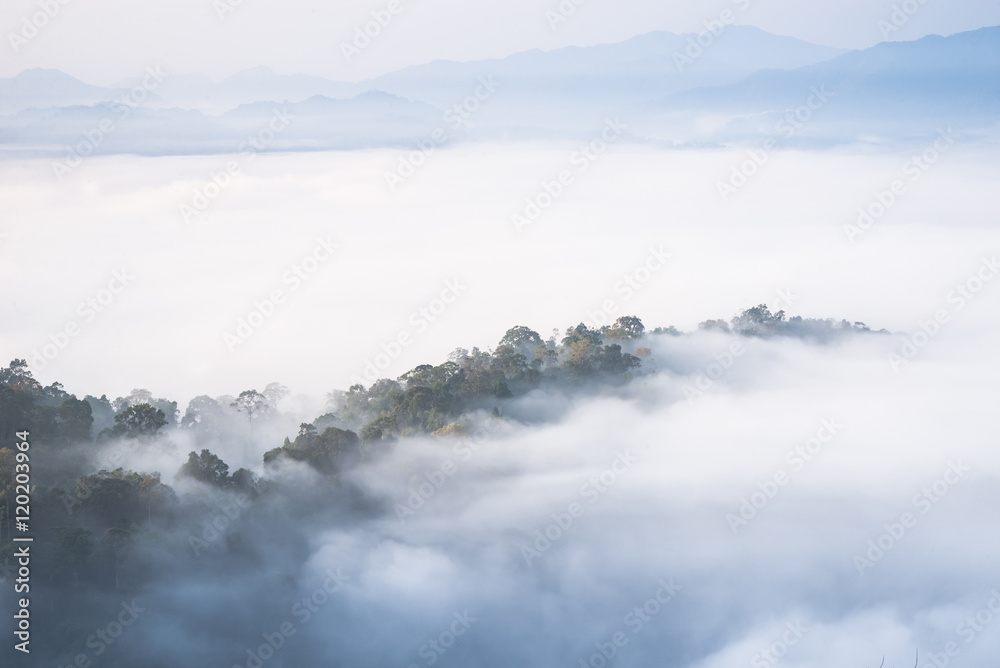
75	419
581	350
19	393
626	328
205	415
7	462
327	452
73	547
140	396
714	325
244	480
275	392
117	498
613	362
252	403
135	397
17	376
521	339
116	541
102	412
206	468
758	321
140	421
382	428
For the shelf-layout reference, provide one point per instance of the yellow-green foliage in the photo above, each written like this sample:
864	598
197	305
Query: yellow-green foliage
450	429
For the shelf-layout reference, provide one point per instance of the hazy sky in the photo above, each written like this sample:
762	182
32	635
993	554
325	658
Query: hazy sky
104	41
102	270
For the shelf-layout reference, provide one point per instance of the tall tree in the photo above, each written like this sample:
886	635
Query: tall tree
253	403
522	340
275	392
75	419
74	546
140	396
116	541
205	415
141	421
207	468
102	411
626	328
7	462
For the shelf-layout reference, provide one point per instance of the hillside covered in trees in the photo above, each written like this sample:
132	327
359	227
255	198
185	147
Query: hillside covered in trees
102	528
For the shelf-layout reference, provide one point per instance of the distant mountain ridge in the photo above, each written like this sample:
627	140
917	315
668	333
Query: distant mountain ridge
889	91
736	85
956	73
639	68
41	88
369	120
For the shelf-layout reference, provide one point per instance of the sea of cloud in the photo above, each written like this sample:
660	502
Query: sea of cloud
354	263
794	502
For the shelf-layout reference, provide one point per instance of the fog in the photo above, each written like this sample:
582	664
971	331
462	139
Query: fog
779	239
470	542
439	334
743	490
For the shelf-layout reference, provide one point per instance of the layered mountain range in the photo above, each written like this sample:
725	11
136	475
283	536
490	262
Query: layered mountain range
736	84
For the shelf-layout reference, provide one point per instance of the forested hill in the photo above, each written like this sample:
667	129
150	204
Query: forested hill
99	526
426	399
